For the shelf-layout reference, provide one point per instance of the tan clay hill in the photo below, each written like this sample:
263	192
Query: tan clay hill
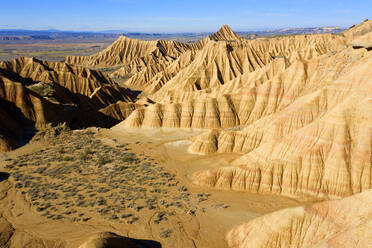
80	81
359	29
308	127
297	109
360	35
35	93
21	107
134	55
339	223
286	116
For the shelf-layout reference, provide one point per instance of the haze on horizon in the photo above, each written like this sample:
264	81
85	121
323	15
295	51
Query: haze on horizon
179	16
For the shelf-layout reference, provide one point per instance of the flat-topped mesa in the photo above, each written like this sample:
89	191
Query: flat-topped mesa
225	33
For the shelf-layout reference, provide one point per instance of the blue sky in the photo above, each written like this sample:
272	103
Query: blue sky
180	16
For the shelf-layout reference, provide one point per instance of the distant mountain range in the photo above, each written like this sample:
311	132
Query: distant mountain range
292	31
39	35
9	35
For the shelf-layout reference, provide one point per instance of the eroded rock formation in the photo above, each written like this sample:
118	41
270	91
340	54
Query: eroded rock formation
339	223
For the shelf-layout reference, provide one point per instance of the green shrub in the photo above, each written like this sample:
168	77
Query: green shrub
68	159
103	160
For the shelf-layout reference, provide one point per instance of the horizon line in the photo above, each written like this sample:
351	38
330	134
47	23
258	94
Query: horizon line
117	31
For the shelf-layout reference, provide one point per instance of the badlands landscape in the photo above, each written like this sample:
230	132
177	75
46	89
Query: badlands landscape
223	142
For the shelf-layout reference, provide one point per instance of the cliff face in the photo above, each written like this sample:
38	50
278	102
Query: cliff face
20	107
134	55
318	145
122	51
89	86
34	93
209	71
30	106
296	108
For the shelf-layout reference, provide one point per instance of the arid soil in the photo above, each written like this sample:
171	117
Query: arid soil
53	50
129	182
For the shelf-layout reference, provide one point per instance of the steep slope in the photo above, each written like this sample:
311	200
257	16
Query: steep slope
318	146
220	62
16	97
300	46
19	108
214	65
134	55
359	29
151	70
225	33
364	41
34	93
121	52
270	99
255	95
339	223
91	87
154	76
360	36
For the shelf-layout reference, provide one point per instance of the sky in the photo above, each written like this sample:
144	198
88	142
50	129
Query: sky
180	16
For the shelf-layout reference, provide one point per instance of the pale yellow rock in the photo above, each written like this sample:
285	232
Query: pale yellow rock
93	86
303	151
359	29
345	223
34	93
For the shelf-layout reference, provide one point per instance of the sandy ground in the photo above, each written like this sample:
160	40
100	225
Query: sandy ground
201	220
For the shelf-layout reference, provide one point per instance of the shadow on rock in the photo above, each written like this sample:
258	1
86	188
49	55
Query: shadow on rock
112	240
3	176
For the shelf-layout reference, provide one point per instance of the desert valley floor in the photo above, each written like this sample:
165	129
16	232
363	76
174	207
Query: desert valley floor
150	199
223	142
